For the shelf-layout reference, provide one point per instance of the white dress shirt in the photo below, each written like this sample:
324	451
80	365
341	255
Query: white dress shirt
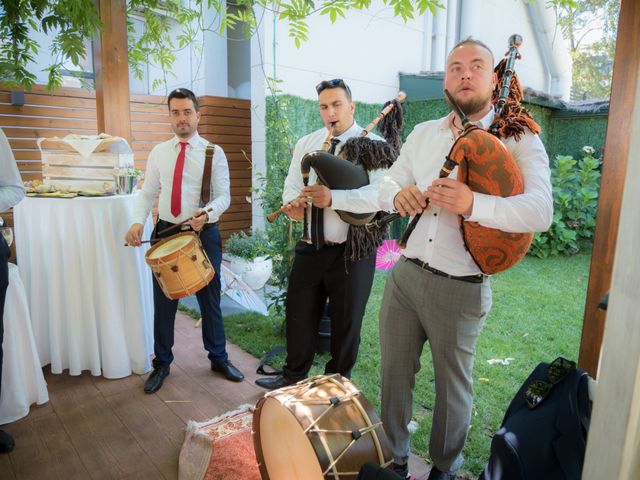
159	173
361	200
437	239
11	188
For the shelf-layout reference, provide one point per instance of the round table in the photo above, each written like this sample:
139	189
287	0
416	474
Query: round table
90	297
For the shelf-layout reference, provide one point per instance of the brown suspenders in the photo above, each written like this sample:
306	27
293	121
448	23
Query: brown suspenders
205	192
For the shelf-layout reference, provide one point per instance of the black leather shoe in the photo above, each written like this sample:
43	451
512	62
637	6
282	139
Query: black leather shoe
228	370
6	442
401	470
437	474
154	382
274	383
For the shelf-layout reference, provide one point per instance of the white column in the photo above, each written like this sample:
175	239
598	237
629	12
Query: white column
438	58
214	59
427	41
471	18
261	58
452	25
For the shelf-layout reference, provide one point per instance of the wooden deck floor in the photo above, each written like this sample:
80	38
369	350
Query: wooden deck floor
98	428
94	428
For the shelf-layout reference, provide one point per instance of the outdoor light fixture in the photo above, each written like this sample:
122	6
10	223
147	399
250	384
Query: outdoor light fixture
17	97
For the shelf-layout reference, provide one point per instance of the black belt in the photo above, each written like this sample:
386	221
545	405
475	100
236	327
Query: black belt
479	278
333	244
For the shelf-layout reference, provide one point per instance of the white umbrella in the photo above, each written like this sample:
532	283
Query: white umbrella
240	292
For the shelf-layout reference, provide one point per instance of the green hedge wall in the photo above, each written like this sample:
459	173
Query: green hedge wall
569	134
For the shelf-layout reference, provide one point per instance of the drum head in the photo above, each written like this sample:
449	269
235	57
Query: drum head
286	450
172	244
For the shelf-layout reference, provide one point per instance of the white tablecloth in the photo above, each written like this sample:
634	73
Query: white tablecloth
90	297
22	380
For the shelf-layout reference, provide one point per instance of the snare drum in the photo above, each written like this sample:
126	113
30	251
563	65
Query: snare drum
321	428
180	265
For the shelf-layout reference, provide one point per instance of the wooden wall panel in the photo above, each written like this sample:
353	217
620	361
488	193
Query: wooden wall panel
225	121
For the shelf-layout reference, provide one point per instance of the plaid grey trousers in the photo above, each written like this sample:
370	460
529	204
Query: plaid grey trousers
419	306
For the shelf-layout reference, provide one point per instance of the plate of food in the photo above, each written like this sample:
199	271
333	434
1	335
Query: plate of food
53	194
107	189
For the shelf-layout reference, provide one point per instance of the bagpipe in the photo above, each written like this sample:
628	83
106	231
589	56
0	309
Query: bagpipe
349	170
486	166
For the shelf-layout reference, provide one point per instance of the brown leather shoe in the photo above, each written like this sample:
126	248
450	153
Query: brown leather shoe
154	382
227	369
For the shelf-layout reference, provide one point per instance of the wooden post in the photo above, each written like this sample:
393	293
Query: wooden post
623	90
614	432
112	70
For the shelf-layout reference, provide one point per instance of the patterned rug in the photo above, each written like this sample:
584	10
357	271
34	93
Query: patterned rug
219	449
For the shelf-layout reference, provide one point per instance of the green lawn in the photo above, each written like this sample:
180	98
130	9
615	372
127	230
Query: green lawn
537	315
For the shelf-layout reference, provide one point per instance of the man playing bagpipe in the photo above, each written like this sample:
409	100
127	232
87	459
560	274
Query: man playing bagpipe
440	291
335	260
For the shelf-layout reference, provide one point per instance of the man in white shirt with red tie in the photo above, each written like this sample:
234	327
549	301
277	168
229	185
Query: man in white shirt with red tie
176	168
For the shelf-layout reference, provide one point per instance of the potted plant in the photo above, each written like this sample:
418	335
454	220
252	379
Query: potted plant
249	257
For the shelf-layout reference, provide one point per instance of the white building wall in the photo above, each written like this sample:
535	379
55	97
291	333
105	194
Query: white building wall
367	50
493	22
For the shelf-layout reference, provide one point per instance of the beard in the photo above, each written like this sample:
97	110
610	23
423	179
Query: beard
184	130
474	105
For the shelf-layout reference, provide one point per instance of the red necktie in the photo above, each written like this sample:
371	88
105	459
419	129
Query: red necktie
176	191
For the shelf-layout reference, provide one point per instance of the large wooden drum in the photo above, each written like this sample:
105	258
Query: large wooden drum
320	428
180	265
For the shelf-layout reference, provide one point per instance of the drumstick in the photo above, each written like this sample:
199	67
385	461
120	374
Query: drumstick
151	240
185	221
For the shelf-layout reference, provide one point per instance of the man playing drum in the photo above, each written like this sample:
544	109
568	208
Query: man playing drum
175	168
436	292
320	270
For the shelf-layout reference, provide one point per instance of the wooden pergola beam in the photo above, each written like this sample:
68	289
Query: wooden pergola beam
614	169
111	66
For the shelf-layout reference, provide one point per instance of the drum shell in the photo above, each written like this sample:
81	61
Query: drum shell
184	271
297	402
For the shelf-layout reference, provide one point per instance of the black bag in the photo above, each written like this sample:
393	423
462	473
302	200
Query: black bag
544	432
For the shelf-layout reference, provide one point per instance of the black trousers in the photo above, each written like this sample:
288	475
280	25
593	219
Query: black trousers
4	284
315	276
164	316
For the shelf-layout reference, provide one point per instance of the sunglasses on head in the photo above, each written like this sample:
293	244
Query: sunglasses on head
558	370
335	83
